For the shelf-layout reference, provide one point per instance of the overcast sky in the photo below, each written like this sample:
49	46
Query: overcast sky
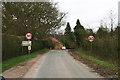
90	12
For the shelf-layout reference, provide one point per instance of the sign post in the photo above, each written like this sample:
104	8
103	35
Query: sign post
118	39
119	14
91	39
28	36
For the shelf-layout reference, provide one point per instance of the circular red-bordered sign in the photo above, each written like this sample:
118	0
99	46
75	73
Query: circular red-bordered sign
28	36
91	38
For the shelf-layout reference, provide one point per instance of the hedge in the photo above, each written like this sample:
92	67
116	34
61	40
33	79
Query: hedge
11	46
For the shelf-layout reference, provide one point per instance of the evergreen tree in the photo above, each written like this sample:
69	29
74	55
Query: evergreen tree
69	37
67	29
80	34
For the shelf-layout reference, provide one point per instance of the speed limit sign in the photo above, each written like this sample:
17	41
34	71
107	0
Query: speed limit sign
91	38
28	36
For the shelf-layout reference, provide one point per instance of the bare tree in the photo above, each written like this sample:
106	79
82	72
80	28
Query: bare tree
112	17
109	22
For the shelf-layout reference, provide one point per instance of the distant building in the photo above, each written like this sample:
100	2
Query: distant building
58	45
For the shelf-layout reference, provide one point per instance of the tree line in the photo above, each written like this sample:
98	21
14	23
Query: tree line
105	45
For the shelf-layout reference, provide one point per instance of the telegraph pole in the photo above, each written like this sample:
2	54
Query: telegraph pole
119	39
119	14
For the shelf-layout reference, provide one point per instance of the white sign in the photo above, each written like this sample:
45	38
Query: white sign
28	35
91	38
26	43
29	47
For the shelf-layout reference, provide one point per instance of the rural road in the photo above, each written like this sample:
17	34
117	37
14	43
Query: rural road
59	64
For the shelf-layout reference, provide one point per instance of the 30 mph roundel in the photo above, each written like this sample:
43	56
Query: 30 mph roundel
28	36
91	38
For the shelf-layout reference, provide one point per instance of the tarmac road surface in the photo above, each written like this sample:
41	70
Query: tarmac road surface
59	64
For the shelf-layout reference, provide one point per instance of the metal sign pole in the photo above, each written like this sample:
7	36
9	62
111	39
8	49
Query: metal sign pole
91	38
22	50
28	49
118	39
91	47
28	37
119	14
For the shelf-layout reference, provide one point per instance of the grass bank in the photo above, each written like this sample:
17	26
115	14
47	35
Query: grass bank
100	62
16	60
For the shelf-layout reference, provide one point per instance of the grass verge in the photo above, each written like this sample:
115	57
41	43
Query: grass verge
16	60
100	62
